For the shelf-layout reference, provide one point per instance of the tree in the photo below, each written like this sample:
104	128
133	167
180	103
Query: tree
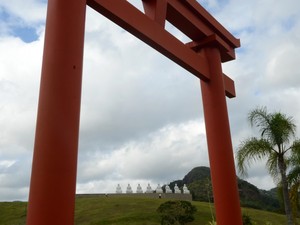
247	220
176	212
276	131
294	177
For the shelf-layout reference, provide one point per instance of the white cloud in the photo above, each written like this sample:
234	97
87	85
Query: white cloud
162	156
31	12
19	79
282	69
141	117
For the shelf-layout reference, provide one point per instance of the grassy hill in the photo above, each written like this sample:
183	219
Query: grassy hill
126	211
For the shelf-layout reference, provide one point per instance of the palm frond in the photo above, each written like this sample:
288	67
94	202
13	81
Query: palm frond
294	161
281	129
276	127
295	147
294	175
259	117
251	150
272	166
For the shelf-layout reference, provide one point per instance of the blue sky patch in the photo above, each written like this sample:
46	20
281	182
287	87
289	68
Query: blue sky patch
14	26
27	34
289	23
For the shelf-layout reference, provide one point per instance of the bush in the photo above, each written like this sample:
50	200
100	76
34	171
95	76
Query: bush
247	220
176	212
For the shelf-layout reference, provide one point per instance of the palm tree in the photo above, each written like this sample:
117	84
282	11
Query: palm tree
273	145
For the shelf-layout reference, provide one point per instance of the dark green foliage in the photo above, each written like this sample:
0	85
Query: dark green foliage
196	173
172	184
253	197
199	183
247	220
294	178
176	212
201	190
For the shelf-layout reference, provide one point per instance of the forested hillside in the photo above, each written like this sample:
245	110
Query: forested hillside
199	183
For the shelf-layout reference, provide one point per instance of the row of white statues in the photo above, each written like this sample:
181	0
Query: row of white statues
149	189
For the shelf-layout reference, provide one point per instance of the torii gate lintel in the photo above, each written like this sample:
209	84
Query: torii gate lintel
53	179
149	27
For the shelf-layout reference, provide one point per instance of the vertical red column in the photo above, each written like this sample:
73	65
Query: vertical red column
53	178
221	158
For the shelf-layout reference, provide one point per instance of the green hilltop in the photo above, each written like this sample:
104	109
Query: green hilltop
126	210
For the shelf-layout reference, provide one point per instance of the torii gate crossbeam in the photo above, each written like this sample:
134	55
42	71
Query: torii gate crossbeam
53	179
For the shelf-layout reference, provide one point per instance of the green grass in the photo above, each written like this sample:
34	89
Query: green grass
13	213
126	211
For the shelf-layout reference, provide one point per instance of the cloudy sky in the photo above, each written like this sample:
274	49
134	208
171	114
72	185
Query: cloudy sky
142	115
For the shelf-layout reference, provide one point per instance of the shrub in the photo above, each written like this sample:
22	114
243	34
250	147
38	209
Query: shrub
247	220
176	212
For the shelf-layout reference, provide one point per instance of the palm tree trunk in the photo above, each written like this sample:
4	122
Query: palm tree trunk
285	191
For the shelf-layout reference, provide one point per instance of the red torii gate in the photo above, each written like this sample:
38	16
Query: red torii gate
53	179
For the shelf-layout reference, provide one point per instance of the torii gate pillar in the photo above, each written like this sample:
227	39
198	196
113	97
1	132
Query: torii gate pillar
53	179
224	181
54	167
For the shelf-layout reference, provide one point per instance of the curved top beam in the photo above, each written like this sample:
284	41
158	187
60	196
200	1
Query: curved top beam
186	16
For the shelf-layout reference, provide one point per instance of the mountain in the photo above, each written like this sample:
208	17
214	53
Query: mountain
198	182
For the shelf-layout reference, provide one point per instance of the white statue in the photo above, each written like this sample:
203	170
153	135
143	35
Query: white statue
139	189
149	189
177	190
119	189
159	189
168	189
185	190
129	189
